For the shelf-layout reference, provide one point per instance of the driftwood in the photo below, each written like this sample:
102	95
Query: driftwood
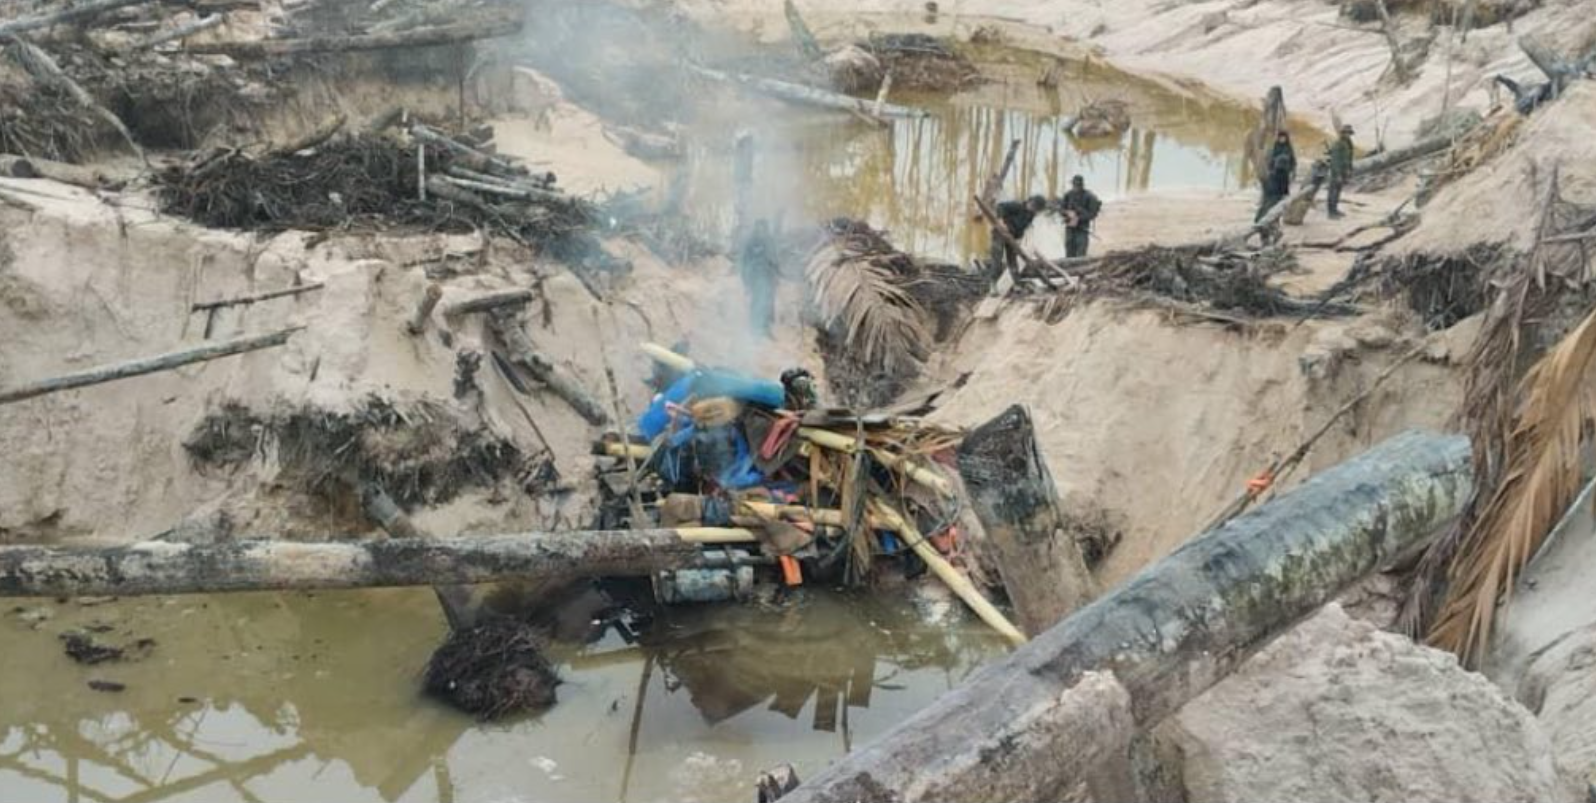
488	303
146	365
181	32
1167	635
465	154
798	93
429	299
203	306
1014	497
161	567
71	13
523	354
85	176
487	27
1042	267
455	600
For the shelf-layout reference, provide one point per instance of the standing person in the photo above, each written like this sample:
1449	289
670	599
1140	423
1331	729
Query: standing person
1080	207
1281	166
757	264
1340	169
1017	217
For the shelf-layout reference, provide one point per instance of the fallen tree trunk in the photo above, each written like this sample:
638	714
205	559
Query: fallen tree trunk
181	32
146	365
1168	634
85	176
160	567
1017	502
486	28
522	353
458	605
488	303
994	182
798	93
69	14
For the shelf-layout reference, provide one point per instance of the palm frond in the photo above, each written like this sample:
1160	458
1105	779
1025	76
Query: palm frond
877	318
1541	473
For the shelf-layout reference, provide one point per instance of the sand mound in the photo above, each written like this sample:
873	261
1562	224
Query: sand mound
1337	710
1500	201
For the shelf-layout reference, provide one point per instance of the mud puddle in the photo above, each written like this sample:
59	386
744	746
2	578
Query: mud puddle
279	697
916	178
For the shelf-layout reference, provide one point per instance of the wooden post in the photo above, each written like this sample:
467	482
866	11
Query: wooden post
1167	635
429	299
181	32
1014	496
146	365
163	567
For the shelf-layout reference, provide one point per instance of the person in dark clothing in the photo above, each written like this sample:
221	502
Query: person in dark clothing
1279	168
1340	169
1017	217
1080	207
757	264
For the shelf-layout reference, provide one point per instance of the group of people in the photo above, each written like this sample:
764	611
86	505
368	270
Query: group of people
1079	208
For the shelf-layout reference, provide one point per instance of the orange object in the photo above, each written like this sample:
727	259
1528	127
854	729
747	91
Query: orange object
791	574
946	541
1257	485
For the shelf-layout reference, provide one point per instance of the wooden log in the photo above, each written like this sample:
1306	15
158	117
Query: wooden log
429	299
522	353
459	609
146	365
519	192
1013	495
488	303
801	35
488	27
85	176
181	32
881	96
1168	634
439	186
465	154
994	182
72	13
161	567
327	129
202	306
808	95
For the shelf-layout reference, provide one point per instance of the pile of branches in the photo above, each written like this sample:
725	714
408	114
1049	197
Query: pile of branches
921	61
369	181
422	454
492	670
1227	286
880	309
1442	288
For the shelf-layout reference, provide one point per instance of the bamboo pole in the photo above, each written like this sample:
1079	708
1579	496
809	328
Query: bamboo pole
202	306
668	358
955	580
827	439
146	365
544	370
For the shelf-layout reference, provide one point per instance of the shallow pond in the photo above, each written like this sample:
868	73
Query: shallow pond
296	697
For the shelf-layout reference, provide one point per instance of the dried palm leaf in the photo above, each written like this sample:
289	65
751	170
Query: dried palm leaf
877	318
1543	469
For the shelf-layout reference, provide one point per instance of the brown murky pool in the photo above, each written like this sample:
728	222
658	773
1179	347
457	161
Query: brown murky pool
916	178
293	697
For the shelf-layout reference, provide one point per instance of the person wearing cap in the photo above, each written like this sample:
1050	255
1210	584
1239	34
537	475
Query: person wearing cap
1017	217
1080	207
1340	169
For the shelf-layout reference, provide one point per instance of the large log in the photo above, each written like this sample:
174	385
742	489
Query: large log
1168	634
488	27
524	354
160	567
1014	496
89	177
42	67
146	365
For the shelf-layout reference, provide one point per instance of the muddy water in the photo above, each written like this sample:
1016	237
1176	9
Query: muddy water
280	697
916	178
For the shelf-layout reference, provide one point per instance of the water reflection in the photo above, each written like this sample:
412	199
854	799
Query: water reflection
287	698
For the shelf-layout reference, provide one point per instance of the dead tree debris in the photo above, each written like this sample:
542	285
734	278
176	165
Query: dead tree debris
493	670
